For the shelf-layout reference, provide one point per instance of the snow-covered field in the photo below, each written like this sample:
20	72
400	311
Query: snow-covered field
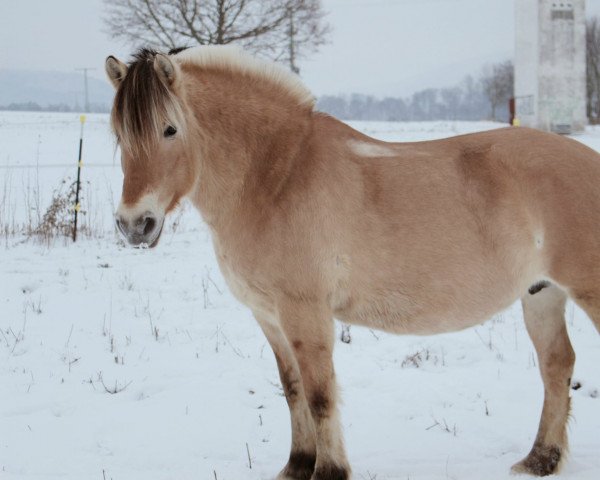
139	364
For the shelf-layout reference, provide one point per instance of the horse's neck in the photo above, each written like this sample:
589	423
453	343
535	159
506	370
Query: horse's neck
248	164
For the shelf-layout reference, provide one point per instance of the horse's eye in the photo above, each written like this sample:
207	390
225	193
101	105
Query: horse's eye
170	131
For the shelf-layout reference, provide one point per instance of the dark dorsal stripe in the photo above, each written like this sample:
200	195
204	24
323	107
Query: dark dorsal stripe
175	51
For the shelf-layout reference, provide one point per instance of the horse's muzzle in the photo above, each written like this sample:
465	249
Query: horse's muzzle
142	231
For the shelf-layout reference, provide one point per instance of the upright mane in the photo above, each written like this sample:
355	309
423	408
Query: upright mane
144	106
234	59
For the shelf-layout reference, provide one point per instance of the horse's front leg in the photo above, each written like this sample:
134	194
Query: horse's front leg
309	329
301	463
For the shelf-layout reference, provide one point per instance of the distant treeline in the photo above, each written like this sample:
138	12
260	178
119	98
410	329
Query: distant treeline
472	99
57	107
466	101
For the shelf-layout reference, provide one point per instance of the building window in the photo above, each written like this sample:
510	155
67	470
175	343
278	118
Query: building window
562	15
562	11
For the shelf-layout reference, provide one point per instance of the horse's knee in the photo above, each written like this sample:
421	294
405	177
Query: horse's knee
290	381
321	404
318	378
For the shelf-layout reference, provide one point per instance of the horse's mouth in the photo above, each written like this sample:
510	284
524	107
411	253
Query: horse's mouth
152	242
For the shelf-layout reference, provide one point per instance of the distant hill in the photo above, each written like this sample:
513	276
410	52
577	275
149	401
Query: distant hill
52	90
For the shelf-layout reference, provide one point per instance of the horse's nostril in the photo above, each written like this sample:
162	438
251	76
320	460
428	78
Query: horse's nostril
149	224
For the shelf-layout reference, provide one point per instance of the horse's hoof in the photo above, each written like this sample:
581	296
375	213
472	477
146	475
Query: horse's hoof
331	472
284	476
287	474
300	466
541	461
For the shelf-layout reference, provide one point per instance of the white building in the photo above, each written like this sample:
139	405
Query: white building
550	84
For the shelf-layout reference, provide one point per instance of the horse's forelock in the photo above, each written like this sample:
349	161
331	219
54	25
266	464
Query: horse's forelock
143	107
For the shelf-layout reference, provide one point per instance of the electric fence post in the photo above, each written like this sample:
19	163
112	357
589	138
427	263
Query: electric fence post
79	165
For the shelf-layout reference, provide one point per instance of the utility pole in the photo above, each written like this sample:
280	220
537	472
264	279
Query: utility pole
85	84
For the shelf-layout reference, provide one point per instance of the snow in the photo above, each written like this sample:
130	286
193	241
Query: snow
197	383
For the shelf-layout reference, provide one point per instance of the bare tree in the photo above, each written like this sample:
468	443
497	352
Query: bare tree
592	46
283	30
498	84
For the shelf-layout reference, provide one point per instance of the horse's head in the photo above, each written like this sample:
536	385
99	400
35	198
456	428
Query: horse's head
151	125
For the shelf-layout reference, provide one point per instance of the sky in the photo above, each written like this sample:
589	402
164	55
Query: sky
378	47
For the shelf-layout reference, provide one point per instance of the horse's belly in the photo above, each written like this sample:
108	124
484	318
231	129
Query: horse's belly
410	325
423	316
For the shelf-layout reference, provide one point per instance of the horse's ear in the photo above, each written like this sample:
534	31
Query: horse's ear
166	70
116	71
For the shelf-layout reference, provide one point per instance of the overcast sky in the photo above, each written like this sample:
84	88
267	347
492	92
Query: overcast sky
381	47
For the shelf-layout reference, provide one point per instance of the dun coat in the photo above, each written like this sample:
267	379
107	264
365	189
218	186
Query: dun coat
312	220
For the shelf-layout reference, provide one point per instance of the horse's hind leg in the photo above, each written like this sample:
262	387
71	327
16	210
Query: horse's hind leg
544	314
301	463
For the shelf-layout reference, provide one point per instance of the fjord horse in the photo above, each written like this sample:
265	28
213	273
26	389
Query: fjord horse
312	220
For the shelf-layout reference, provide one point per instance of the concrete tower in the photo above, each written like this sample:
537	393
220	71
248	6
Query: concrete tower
550	84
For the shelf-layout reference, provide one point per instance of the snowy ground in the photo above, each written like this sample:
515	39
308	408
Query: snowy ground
197	386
